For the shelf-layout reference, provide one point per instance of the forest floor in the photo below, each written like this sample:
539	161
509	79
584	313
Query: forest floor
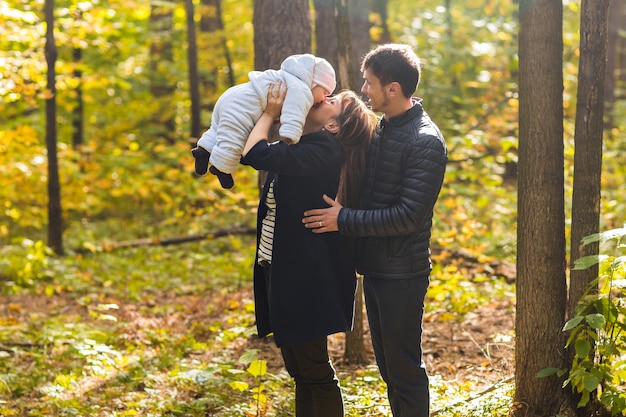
476	352
469	353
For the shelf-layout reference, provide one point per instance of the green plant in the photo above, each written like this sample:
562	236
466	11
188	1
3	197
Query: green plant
598	330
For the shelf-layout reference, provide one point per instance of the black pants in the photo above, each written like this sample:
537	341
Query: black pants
317	387
395	308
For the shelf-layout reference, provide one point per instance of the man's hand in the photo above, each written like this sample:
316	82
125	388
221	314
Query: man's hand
323	220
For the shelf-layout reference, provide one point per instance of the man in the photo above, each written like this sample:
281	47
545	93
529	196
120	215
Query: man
405	172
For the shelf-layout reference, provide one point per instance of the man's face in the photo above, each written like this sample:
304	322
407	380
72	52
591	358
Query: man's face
376	93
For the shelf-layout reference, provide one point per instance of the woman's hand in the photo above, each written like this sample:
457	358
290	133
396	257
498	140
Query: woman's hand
275	99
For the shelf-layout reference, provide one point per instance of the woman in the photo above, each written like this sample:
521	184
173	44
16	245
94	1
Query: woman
304	283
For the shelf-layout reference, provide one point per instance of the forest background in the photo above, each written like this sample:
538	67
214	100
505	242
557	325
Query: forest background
124	324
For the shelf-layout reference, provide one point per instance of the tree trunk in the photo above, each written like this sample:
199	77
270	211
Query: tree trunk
354	352
326	31
192	63
78	112
161	59
360	40
355	346
281	28
588	141
379	9
55	213
345	69
588	151
616	47
541	285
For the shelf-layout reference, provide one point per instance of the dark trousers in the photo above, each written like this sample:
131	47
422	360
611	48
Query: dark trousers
395	308
317	387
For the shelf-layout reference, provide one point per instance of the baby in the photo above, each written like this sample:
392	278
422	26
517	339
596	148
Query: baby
309	79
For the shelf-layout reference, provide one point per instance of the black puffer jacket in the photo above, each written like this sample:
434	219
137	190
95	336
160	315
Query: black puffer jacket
405	172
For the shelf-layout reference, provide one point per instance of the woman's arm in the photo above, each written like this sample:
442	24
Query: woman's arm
260	132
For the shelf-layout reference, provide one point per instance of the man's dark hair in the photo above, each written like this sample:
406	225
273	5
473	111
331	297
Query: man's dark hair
394	63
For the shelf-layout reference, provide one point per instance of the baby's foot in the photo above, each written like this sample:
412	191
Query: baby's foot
201	157
226	180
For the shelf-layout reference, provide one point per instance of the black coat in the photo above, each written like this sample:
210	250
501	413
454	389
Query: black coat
313	278
405	171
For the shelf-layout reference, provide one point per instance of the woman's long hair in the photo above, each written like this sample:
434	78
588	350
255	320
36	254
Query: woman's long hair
357	124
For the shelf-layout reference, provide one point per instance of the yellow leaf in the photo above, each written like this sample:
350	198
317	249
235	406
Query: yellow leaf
258	368
238	385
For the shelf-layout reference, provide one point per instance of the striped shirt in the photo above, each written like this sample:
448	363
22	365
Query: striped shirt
267	227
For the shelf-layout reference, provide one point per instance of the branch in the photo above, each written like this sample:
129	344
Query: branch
156	241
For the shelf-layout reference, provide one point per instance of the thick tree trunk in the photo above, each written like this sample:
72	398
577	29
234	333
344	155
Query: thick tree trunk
541	285
281	28
55	213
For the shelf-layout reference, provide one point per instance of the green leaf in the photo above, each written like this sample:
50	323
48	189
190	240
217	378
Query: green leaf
248	356
548	372
583	347
588	261
591	382
596	321
573	322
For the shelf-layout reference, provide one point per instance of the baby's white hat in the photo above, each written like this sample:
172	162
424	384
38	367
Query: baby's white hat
324	75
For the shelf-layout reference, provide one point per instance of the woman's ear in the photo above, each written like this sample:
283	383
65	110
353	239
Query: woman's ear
331	127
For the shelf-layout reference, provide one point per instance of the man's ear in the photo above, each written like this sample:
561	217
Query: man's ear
394	88
332	127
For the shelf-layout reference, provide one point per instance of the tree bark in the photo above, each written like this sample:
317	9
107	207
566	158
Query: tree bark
326	31
360	39
281	28
161	58
78	112
615	48
192	66
541	285
55	212
379	9
588	134
345	71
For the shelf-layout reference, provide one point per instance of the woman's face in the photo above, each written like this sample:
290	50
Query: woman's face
325	112
319	94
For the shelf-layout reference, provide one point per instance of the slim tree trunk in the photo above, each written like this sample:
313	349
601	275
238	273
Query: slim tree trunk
588	151
345	69
379	9
55	213
325	31
161	58
192	63
541	285
588	141
360	40
78	113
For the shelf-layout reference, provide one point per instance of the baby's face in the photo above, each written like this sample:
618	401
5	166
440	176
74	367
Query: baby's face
319	94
